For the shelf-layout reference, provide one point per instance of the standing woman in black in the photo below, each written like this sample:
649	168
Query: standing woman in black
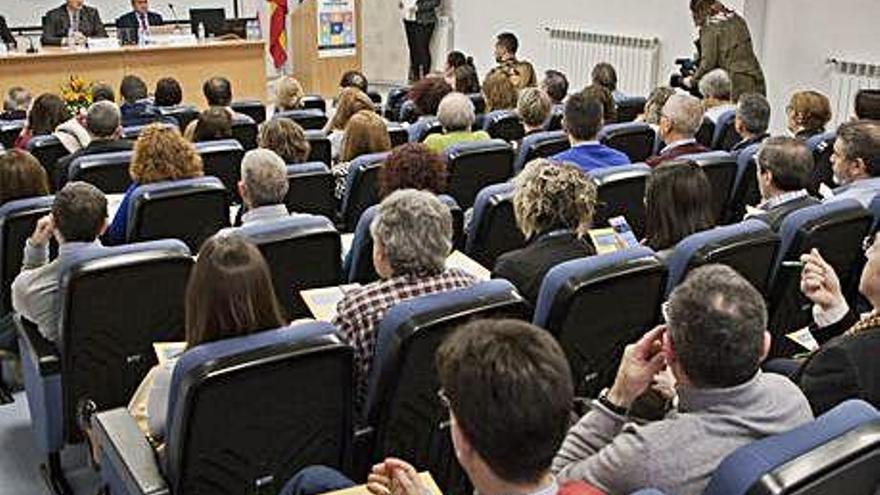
419	20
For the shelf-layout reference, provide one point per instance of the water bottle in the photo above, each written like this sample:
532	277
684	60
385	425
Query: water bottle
201	31
142	37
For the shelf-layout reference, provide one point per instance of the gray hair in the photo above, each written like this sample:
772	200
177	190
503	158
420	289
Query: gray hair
456	112
17	98
103	119
716	84
754	112
685	112
265	176
415	229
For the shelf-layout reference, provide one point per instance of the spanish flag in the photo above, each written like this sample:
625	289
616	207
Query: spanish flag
277	14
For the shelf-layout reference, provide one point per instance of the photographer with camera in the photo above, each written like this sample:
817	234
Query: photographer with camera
724	42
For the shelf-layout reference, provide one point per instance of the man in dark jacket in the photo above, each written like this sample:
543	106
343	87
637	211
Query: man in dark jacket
71	24
140	17
5	34
752	120
784	171
103	122
680	120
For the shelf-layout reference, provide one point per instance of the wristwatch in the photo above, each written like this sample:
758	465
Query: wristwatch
603	399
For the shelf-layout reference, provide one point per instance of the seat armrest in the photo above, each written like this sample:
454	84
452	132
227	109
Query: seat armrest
362	458
127	457
43	351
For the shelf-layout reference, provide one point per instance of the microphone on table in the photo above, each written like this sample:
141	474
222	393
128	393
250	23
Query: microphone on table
176	17
31	48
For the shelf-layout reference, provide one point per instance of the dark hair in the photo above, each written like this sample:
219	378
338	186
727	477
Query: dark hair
79	210
168	92
508	41
412	166
861	140
678	203
556	85
789	160
427	93
21	176
47	113
456	59
508	385
753	110
609	108
466	79
354	79
103	92
286	138
583	117
132	89
218	92
213	124
604	75
230	292
716	323
103	119
868	104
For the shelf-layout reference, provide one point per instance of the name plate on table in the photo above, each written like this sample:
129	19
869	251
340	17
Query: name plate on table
3	50
102	43
173	39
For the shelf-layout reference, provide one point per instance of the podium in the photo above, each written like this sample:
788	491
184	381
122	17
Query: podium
320	75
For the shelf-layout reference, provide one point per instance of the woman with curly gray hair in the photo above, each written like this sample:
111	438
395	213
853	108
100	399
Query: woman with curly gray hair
554	205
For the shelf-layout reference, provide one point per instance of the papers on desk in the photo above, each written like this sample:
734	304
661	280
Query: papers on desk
804	338
322	302
102	44
168	351
113	202
461	261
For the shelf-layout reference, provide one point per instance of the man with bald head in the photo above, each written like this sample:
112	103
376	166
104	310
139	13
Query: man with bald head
680	120
71	24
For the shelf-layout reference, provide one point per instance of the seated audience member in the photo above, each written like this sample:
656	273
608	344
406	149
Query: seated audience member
427	93
716	89
604	75
654	106
609	107
288	94
350	102
555	84
365	133
46	114
856	161
213	124
73	133
79	216
456	115
465	80
454	60
229	294
678	203
499	92
808	113
21	176
104	125
554	205
136	108
218	93
713	343
168	94
520	72
582	122
868	104
680	120
17	102
784	172
412	237
752	120
846	365
286	138
534	107
354	79
263	186
160	154
103	92
412	166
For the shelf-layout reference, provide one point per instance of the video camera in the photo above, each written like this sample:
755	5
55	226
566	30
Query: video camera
687	67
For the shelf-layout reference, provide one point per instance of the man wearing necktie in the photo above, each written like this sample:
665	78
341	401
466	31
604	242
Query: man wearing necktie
140	17
71	24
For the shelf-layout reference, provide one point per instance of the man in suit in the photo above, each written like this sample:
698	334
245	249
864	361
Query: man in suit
104	124
71	24
752	120
784	171
140	17
856	161
5	34
680	120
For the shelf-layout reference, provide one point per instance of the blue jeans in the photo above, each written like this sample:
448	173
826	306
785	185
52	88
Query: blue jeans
315	480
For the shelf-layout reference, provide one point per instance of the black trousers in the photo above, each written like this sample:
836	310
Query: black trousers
418	37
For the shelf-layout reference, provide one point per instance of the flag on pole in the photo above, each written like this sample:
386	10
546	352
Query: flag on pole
277	14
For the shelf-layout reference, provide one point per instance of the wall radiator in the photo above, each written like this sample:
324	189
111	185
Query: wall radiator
847	78
574	52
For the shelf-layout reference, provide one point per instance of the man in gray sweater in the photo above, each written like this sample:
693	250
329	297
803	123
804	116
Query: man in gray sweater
713	343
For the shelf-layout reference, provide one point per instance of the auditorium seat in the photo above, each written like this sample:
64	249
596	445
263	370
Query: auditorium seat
630	107
244	415
115	304
745	186
725	136
588	305
874	208
493	230
48	150
375	97
398	134
222	159
837	453
244	130
309	119
540	145
836	229
316	102
621	192
424	127
310	189
404	415
408	112
106	171
134	131
475	165
321	150
554	121
254	109
706	132
748	247
190	210
822	147
504	124
9	131
636	139
302	251
183	114
479	102
361	188
396	98
720	168
17	221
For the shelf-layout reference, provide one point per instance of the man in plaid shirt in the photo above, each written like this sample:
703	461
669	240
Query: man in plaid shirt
412	237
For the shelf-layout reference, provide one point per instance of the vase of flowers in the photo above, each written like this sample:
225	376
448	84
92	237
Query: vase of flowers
77	95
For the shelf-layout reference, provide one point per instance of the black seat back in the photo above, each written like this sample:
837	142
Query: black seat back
244	130
720	168
361	188
635	139
254	109
310	189
479	102
48	150
504	124
321	150
17	221
629	108
493	230
398	134
316	102
822	147
621	193
183	114
309	119
222	159
473	166
9	131
107	171
706	132
725	137
395	99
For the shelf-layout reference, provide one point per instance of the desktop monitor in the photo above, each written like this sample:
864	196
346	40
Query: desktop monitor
214	21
